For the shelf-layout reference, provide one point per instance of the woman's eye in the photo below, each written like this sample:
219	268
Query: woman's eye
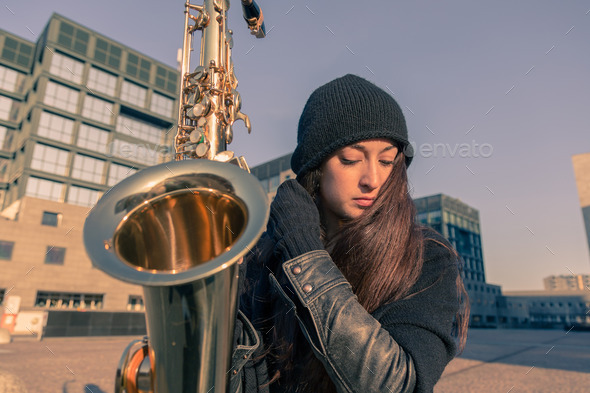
386	162
346	161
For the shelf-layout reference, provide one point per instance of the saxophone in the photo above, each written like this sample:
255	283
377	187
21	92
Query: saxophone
179	229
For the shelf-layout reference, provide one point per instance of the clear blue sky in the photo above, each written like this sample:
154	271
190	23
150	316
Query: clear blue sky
509	79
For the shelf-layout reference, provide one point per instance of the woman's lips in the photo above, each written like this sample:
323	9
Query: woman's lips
364	202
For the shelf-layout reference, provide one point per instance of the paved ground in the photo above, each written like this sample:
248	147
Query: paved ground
543	361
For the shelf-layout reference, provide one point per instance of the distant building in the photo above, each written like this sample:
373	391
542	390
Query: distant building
78	113
544	309
459	223
581	164
272	173
578	282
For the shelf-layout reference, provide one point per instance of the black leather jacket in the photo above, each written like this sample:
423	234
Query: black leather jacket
401	347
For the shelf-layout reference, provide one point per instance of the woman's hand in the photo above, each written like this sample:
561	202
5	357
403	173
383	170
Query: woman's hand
294	223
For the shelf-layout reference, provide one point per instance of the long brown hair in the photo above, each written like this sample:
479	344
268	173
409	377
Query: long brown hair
379	253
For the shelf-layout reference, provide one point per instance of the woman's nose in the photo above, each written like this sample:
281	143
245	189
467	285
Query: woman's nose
369	178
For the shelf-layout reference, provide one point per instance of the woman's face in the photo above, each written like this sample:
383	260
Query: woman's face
352	178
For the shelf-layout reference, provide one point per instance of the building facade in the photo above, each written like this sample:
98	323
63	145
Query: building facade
581	164
79	112
577	282
459	223
272	173
544	309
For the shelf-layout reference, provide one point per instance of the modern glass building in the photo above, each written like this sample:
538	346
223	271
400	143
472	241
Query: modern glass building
459	223
79	112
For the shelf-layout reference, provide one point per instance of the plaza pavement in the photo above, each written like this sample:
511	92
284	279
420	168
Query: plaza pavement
502	361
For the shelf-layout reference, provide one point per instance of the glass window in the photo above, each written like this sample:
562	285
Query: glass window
44	189
97	109
88	168
55	255
135	152
61	97
135	303
133	94
73	38
17	52
107	53
139	129
82	196
274	182
67	300
50	219
50	159
166	79
119	172
66	67
3	133
93	138
6	248
9	79
162	105
55	127
434	217
5	107
101	81
138	67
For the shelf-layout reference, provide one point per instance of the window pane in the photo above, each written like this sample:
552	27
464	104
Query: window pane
102	81
93	138
50	159
88	168
5	107
55	127
97	109
82	196
9	79
66	67
50	219
162	105
133	94
44	189
61	97
55	255
6	248
119	172
67	300
139	129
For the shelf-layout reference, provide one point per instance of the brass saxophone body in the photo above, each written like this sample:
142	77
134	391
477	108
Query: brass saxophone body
178	229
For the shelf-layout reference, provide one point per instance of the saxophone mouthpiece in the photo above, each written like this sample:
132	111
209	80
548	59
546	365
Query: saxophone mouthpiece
254	17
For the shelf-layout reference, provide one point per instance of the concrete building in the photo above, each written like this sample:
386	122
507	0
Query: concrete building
459	223
578	282
272	173
544	309
581	164
79	112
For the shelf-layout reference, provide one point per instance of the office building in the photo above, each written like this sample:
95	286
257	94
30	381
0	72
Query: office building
459	223
581	164
544	309
577	282
272	173
79	112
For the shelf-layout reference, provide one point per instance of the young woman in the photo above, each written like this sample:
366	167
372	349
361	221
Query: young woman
346	292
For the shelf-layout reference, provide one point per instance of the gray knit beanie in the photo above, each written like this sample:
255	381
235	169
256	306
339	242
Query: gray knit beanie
344	111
